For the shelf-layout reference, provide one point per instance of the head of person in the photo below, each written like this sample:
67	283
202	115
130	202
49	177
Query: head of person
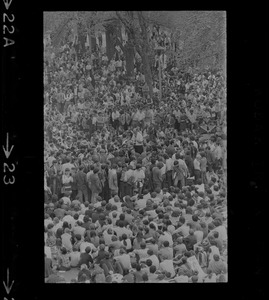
191	232
152	269
216	257
143	245
166	244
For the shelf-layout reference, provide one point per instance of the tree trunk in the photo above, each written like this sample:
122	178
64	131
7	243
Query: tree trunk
147	71
110	49
145	51
129	57
93	43
90	40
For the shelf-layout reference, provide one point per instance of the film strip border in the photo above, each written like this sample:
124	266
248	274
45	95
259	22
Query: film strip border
9	157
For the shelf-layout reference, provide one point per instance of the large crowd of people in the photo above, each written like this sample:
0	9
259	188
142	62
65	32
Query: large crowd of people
135	185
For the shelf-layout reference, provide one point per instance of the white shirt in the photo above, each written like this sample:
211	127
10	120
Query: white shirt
139	175
168	266
184	229
199	235
157	200
218	152
139	139
222	232
66	200
169	164
196	164
107	237
129	244
166	237
69	219
48	251
67	165
155	261
128	174
214	250
181	278
47	221
66	241
212	279
84	245
141	203
56	226
125	260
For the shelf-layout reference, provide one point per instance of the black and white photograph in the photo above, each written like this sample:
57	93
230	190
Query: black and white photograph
135	135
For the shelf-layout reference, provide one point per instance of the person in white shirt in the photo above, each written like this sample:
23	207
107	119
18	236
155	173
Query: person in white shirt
139	176
138	140
183	228
210	277
116	201
222	233
107	235
126	242
181	278
66	239
75	257
212	251
141	202
67	165
168	266
69	219
57	224
114	216
124	259
66	200
155	199
78	229
153	258
142	252
166	236
47	221
197	169
86	244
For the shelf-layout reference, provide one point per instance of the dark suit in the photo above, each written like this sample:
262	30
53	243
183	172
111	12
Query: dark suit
157	177
96	186
85	258
81	180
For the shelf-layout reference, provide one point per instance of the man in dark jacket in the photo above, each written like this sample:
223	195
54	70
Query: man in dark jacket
189	163
96	186
84	271
81	180
190	240
171	149
157	176
85	258
210	158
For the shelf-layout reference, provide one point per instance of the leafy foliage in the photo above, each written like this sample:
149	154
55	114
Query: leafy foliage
198	36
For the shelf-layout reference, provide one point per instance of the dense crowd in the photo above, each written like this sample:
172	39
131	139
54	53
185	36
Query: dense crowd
135	185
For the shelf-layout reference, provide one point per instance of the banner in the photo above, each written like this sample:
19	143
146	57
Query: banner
195	266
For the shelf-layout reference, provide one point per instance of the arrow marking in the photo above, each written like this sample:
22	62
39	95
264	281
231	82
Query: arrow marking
7	152
7	3
7	287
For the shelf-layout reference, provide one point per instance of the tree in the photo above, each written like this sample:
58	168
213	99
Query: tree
200	38
72	24
197	37
136	27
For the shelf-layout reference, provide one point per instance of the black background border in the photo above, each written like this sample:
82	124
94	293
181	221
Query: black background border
22	116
